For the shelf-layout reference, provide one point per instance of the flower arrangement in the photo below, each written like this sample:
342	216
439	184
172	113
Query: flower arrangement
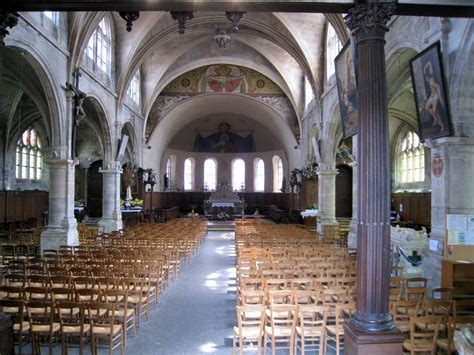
222	216
137	203
192	214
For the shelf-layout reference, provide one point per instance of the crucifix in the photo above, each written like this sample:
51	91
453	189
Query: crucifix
77	111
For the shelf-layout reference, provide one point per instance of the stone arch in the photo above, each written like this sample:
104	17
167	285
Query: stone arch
98	120
48	97
215	61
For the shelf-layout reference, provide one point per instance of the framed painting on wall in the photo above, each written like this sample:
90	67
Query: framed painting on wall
430	94
347	89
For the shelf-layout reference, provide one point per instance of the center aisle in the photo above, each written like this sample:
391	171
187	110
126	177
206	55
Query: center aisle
196	313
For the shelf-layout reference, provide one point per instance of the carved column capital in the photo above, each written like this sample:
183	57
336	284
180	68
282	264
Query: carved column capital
369	20
7	20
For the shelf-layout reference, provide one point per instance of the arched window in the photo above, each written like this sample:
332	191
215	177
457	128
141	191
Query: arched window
277	173
333	46
210	174
29	160
189	174
412	159
99	48
133	90
259	175
238	175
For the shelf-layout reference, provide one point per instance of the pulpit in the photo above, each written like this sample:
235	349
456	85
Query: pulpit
224	200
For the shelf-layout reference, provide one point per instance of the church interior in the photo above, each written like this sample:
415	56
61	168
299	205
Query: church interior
190	177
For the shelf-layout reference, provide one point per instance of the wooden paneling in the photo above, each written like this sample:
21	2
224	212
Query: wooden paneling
21	205
416	206
309	193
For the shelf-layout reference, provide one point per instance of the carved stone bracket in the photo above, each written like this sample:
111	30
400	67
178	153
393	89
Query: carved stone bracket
7	20
182	17
235	18
369	20
129	17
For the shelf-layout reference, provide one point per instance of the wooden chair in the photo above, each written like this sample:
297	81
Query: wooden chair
41	315
335	331
423	335
311	328
138	297
416	288
16	310
12	293
454	323
104	327
249	329
252	297
72	322
402	311
281	320
123	314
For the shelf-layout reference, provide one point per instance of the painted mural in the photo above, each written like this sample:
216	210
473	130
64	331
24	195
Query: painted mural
221	78
224	141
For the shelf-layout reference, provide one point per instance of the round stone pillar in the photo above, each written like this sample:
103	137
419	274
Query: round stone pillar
327	222
62	226
111	215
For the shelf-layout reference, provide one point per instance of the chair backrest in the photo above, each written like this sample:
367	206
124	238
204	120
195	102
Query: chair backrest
14	308
311	316
251	317
282	316
402	311
102	315
442	308
41	313
37	293
424	333
415	293
12	293
88	295
62	294
72	315
252	297
279	297
305	297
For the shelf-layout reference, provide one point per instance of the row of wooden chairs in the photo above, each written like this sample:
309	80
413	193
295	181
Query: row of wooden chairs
304	327
97	322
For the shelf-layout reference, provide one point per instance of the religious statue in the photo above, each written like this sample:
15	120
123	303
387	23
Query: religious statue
294	183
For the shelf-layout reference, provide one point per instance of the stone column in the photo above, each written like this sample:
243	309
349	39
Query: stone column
249	173
111	215
452	192
268	174
327	222
199	174
62	226
352	240
372	330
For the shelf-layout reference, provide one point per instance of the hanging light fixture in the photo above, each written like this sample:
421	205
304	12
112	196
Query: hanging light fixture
222	38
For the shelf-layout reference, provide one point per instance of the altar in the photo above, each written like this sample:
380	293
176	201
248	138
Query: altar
224	202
